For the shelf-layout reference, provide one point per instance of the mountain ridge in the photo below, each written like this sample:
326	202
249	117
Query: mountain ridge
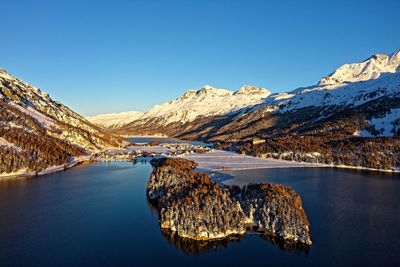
347	123
175	111
38	132
370	68
207	101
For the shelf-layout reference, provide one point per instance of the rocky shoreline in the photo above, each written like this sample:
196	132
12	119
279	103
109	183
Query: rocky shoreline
192	206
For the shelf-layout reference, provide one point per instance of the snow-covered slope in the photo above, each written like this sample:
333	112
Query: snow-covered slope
56	119
332	91
371	68
350	86
113	120
322	101
208	101
345	95
352	123
386	125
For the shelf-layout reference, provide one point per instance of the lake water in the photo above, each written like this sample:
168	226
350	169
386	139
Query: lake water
98	215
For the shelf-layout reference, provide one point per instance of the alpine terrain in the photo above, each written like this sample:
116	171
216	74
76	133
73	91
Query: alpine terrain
38	133
351	117
206	102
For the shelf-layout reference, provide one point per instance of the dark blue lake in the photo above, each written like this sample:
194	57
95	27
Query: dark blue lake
98	215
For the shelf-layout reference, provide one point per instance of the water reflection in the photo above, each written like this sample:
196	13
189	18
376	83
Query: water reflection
288	246
196	247
354	220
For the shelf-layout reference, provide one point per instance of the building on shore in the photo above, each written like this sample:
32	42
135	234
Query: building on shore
257	140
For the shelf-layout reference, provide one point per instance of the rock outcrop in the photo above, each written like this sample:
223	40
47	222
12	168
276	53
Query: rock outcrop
190	204
276	209
194	207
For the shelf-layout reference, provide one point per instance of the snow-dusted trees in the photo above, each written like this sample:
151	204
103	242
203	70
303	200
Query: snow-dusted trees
193	206
377	153
29	145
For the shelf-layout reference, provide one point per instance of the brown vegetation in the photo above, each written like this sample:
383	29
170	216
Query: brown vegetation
193	206
32	147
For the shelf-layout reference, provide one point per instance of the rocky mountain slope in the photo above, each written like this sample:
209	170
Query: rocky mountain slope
194	207
350	118
37	132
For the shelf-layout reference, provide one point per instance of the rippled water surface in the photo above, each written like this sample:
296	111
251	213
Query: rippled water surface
98	215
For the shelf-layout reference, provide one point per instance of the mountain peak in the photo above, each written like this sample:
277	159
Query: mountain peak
208	101
252	90
378	57
209	90
189	93
371	68
208	87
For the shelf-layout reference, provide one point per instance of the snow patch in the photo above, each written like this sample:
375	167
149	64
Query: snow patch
39	117
388	125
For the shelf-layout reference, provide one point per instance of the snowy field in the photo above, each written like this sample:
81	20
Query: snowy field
223	160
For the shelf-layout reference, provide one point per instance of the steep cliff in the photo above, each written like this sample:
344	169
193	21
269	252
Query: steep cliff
193	206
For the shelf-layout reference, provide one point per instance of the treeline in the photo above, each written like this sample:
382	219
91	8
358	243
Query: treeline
42	151
11	160
10	114
31	146
326	136
377	153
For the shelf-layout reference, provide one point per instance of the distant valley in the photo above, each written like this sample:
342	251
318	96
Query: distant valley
350	118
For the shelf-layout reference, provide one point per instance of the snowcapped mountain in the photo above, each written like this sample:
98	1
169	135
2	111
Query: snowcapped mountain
382	89
114	120
208	101
345	95
350	86
351	117
371	68
37	132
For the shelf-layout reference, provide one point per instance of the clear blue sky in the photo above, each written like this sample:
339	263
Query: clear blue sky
109	56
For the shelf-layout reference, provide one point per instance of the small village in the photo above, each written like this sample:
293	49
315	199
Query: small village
152	150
